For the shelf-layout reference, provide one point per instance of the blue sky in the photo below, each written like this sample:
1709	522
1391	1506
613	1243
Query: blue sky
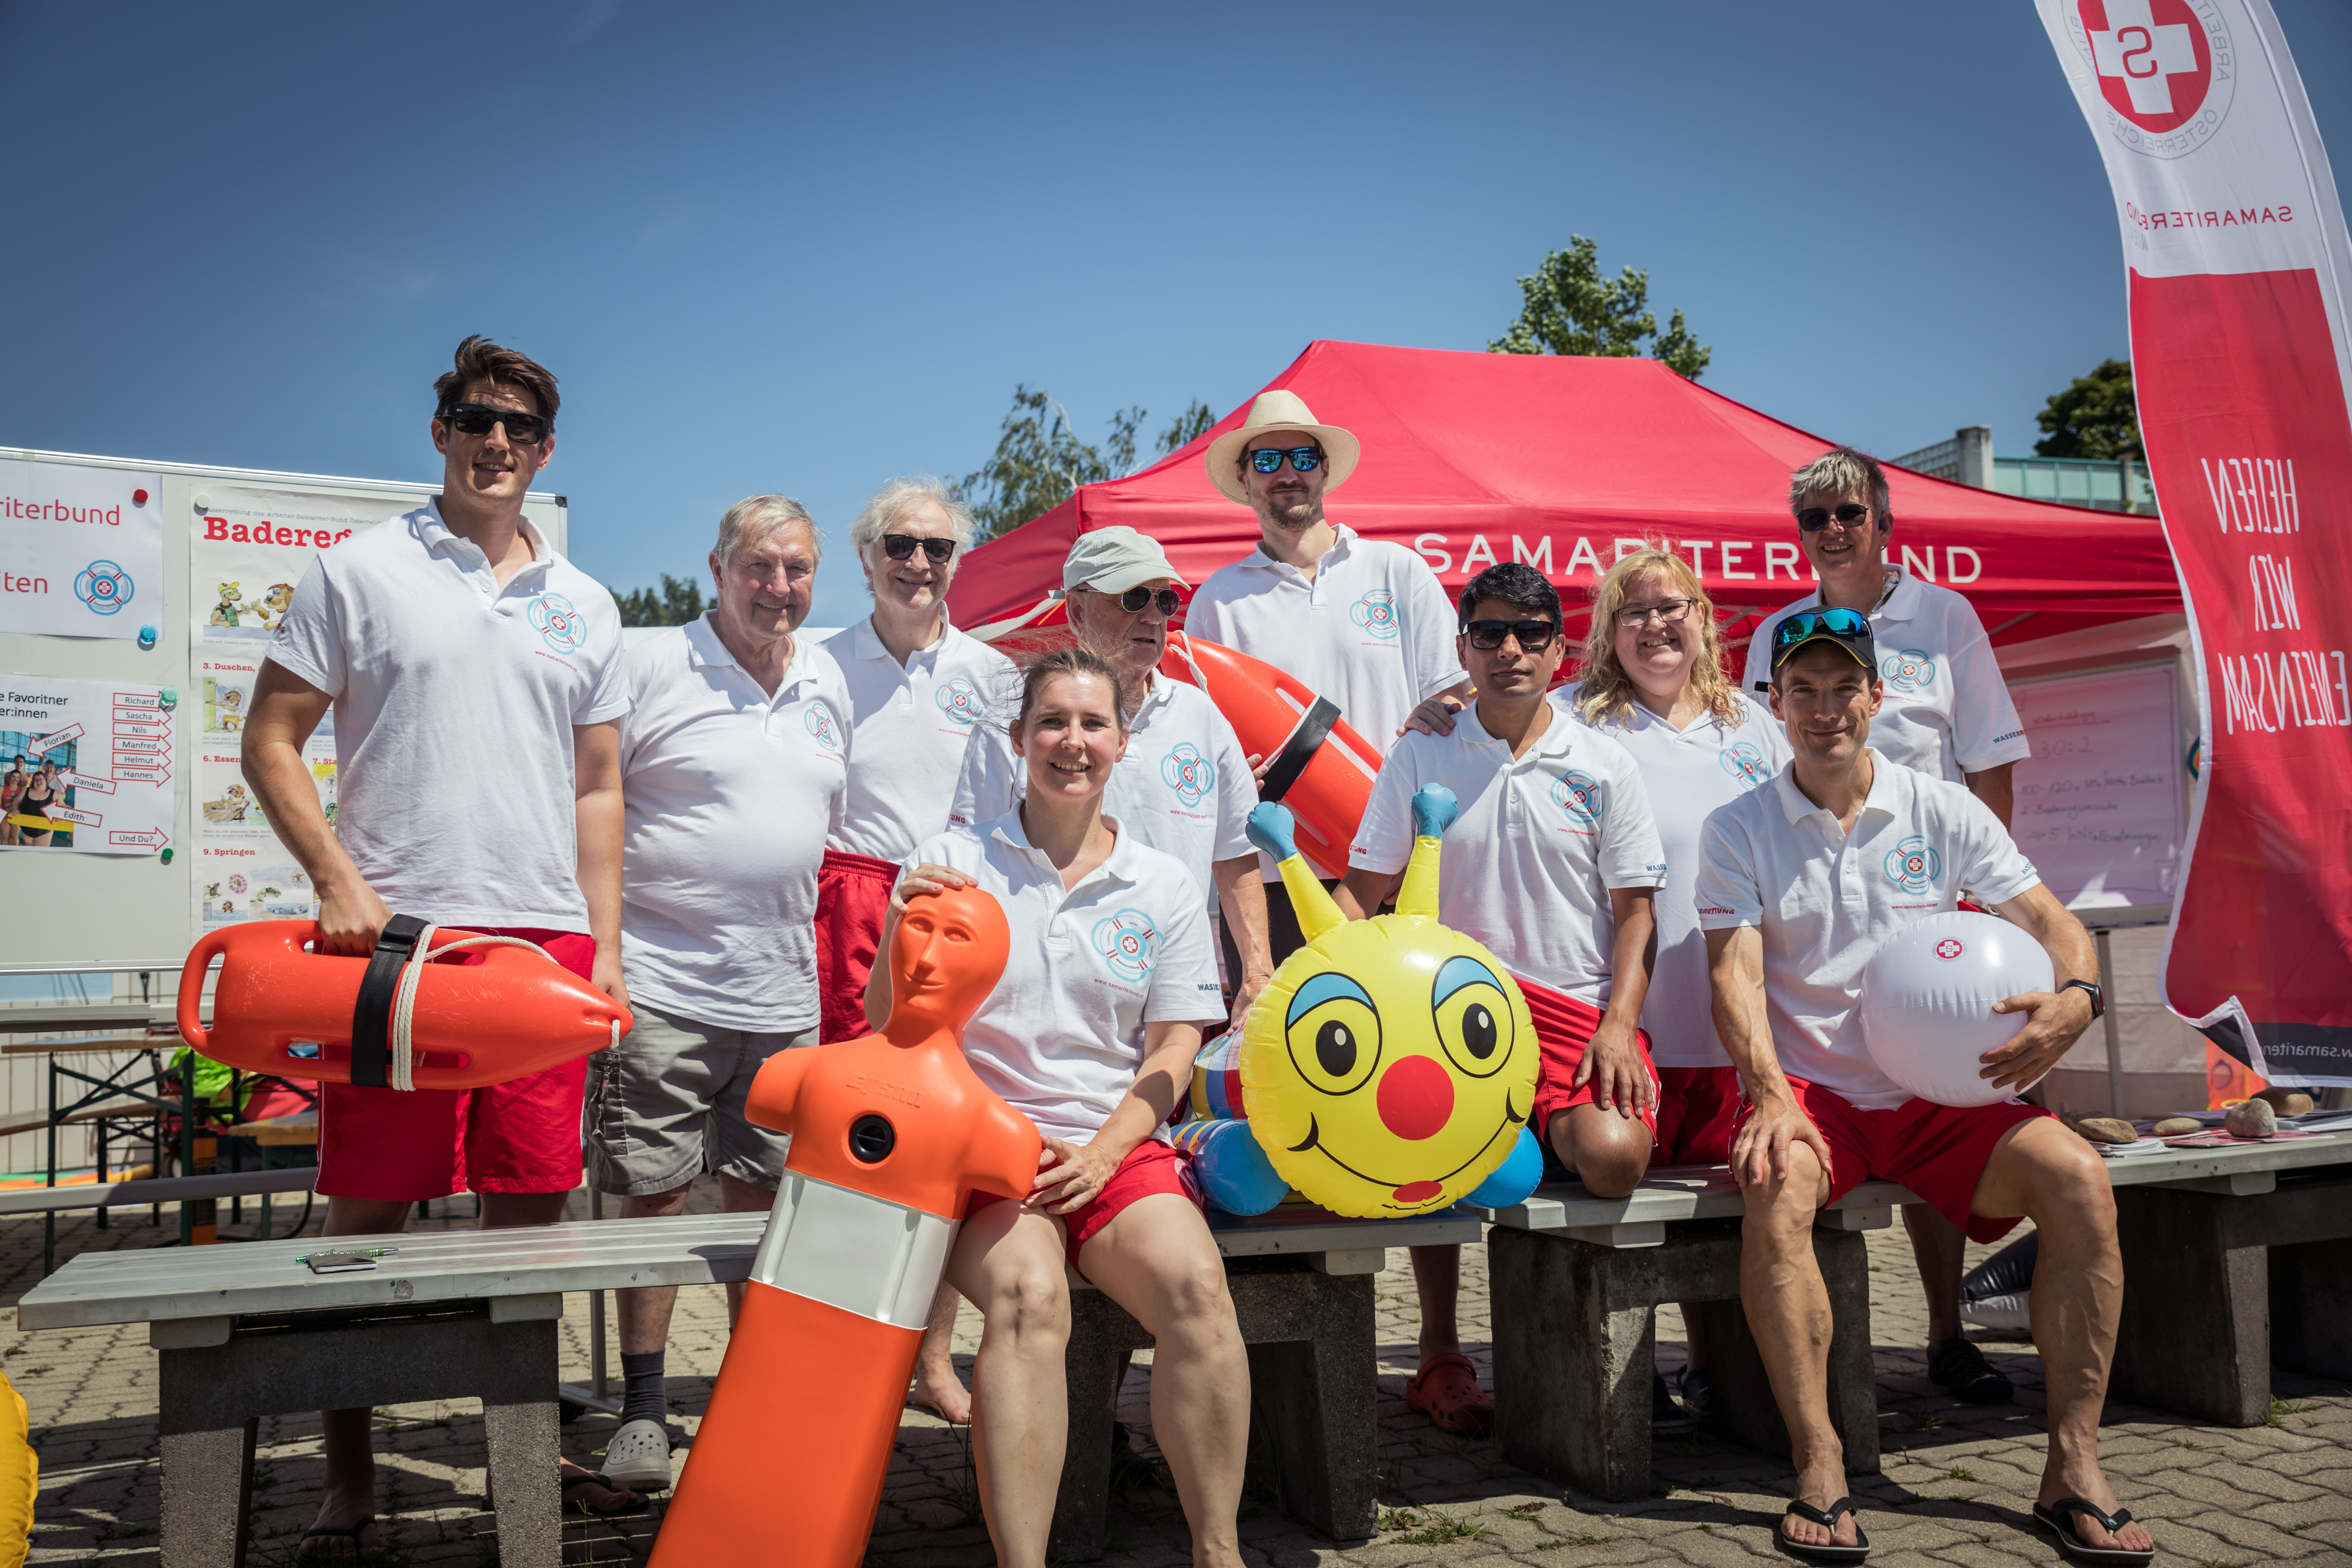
803	249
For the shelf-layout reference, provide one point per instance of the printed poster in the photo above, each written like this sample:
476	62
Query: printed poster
247	552
85	765
81	550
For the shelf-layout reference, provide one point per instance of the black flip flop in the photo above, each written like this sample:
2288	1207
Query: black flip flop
359	1553
2058	1517
1827	1518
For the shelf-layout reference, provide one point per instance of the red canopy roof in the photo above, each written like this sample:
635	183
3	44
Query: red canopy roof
1476	458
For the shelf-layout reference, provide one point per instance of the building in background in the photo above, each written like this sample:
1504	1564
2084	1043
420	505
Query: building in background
2109	484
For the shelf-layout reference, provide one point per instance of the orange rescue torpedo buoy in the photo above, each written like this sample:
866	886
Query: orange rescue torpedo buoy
487	1014
1322	770
892	1133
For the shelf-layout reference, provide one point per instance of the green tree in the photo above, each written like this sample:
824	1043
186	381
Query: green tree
676	603
1569	308
2095	417
1039	459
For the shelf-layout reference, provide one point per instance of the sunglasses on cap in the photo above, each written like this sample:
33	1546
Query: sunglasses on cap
477	418
1134	599
1845	627
1486	636
1813	519
901	547
1267	459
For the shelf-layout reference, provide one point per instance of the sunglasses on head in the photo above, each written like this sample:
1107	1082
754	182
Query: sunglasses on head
1267	459
1813	519
1534	636
1836	622
477	418
901	547
1134	599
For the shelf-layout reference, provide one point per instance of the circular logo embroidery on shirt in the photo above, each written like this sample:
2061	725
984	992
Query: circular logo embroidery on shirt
819	720
1128	943
1187	772
560	626
1580	795
103	586
1913	864
960	700
1376	613
1745	763
1950	949
1908	670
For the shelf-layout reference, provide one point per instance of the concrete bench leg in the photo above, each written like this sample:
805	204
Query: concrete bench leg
206	1473
1575	1348
1101	1335
2310	1308
2199	1291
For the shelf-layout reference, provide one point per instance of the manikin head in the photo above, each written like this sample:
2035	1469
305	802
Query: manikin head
946	957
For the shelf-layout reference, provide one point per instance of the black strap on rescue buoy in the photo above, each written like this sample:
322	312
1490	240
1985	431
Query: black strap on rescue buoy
371	1014
1300	749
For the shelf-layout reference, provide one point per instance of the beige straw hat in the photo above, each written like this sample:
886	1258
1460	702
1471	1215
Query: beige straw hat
1274	410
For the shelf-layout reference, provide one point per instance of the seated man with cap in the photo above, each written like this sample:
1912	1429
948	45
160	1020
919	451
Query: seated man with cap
1799	881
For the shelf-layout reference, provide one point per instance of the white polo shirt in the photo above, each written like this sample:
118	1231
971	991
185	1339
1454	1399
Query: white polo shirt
911	724
1947	712
1526	868
729	793
1373	632
455	703
1183	788
1825	900
1061	1038
1688	773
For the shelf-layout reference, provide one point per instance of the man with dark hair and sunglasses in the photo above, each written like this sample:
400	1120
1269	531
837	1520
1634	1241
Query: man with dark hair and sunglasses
1948	714
475	676
1365	623
1799	881
1552	865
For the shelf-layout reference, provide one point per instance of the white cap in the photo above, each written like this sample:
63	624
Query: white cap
1114	560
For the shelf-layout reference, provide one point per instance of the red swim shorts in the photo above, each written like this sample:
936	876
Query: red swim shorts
1564	1026
1151	1166
1937	1151
522	1136
1698	1114
853	903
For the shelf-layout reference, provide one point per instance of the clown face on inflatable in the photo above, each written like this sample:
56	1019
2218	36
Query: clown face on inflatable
1390	1068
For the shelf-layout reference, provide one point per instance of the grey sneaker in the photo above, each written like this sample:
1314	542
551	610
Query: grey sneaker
638	1456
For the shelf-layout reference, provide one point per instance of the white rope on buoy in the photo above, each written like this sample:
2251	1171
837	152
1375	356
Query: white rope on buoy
403	1001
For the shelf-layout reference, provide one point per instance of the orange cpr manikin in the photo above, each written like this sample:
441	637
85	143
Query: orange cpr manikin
892	1133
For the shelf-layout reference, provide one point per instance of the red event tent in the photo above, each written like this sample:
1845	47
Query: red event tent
1565	461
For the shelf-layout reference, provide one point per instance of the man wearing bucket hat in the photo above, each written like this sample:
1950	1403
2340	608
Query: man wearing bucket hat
1367	624
1799	881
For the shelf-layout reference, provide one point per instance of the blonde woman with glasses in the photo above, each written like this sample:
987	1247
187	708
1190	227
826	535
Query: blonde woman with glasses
1653	679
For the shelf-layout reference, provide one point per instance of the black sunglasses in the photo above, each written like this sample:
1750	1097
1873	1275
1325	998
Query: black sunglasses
1836	622
477	418
1534	636
1813	519
1134	598
1267	459
901	547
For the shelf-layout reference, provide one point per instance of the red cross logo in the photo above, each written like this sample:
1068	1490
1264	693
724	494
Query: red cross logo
2154	61
1950	949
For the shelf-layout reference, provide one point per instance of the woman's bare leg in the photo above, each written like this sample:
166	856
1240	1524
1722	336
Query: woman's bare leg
1009	1262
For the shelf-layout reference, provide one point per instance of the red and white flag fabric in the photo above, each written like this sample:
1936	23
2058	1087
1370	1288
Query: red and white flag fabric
2235	240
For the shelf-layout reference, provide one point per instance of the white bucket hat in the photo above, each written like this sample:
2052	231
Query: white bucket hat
1279	410
1114	560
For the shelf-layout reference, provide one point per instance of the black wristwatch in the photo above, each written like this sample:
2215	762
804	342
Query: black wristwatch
2098	998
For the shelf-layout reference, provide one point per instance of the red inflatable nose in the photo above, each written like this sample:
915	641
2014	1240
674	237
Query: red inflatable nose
1416	1098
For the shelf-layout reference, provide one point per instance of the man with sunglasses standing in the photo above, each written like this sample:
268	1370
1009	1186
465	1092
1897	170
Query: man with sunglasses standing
1799	881
1947	715
475	676
1365	623
918	688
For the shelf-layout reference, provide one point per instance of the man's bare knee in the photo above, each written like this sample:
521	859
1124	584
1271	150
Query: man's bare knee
657	1205
1781	1211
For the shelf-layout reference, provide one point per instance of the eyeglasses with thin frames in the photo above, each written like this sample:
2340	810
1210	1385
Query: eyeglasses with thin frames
1668	611
1134	599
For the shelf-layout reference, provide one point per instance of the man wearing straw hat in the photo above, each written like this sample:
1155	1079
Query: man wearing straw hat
1365	623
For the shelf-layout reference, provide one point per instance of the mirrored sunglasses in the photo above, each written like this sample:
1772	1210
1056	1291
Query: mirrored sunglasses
1267	459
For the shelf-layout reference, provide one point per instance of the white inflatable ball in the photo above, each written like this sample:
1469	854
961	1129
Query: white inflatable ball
1927	1003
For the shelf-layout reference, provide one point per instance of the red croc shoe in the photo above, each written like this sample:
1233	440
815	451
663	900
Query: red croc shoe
1446	1390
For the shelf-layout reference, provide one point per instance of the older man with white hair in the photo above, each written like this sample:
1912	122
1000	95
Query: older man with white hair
734	767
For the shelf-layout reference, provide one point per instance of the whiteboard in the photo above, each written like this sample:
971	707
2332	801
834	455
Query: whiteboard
92	911
2101	806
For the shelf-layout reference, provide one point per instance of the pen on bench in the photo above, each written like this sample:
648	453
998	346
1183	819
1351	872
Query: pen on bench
350	1252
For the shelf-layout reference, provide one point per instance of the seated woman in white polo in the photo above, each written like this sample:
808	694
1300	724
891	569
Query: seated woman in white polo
1091	1034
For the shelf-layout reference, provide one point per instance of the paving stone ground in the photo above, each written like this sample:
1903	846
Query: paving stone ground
1956	1484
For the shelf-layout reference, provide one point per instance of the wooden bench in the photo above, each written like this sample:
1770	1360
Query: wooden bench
1576	1282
